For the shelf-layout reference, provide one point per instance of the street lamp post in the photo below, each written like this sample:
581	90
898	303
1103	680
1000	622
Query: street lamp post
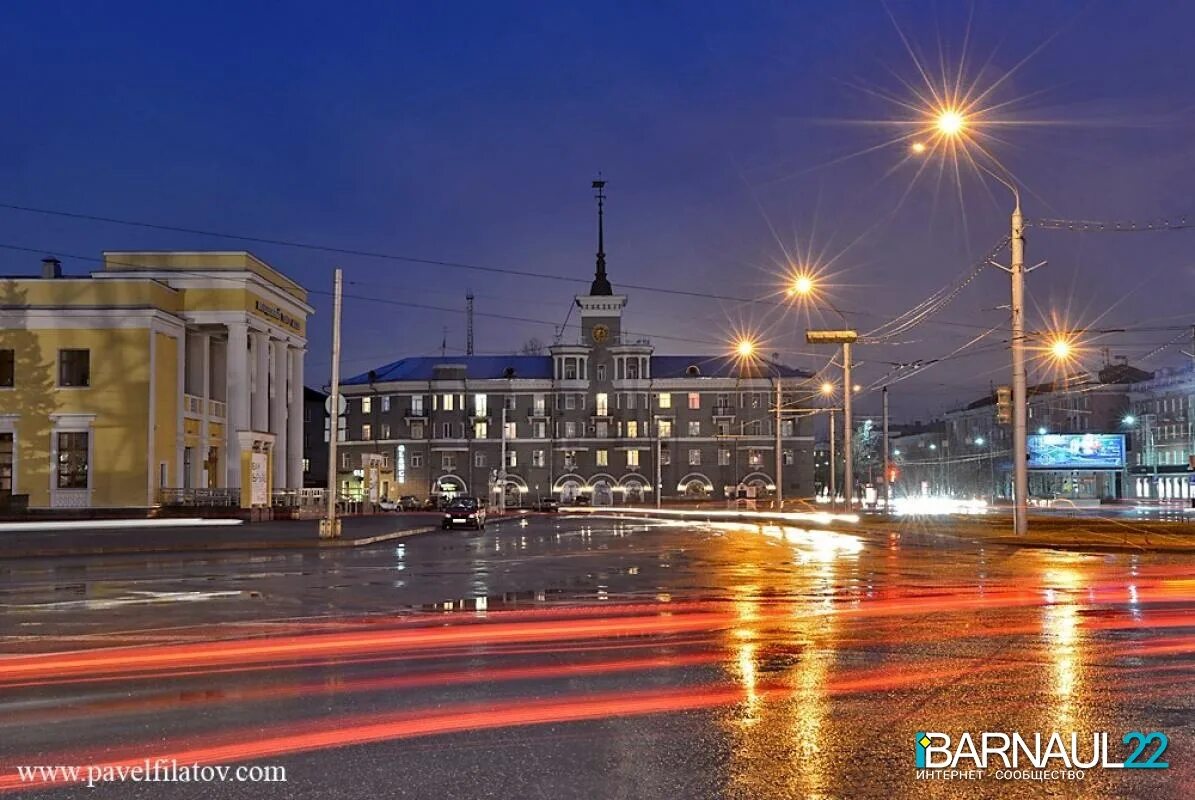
1020	439
845	338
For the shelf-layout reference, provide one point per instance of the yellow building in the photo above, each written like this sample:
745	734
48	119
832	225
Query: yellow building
162	371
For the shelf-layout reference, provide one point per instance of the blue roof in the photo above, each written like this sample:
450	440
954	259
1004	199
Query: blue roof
720	367
422	368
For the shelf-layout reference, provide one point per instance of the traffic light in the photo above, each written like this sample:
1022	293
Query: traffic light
1003	404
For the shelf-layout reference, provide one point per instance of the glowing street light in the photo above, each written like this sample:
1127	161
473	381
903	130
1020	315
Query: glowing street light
745	348
802	286
950	122
1130	420
917	147
1061	349
827	389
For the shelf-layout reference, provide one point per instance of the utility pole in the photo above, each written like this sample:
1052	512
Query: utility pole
1020	461
848	389
833	467
502	466
659	451
329	527
469	323
779	453
887	470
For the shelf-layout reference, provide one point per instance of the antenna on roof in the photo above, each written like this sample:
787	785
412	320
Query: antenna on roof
469	323
444	344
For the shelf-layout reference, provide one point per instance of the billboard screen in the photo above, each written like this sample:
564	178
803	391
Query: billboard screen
1076	451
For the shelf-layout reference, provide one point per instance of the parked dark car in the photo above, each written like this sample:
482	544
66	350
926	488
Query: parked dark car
409	502
581	500
464	512
548	505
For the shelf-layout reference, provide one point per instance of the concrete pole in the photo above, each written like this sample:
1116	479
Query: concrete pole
779	453
502	466
833	466
887	470
848	389
330	527
659	450
1020	462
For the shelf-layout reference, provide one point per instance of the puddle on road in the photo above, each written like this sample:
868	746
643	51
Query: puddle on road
129	599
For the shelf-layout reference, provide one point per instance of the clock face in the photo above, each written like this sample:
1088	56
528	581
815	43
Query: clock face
600	333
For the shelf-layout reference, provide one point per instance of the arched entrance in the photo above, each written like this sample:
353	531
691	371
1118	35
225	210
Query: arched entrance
634	490
448	487
695	486
568	487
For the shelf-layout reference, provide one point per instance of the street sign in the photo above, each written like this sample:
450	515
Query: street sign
343	404
831	337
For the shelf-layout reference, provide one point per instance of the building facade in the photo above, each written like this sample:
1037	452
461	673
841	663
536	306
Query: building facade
602	415
164	371
1159	421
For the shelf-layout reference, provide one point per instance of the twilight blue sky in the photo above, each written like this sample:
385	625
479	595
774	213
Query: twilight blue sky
469	132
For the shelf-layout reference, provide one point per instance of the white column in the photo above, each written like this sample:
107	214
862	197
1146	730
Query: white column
237	397
294	420
278	407
259	418
180	435
205	391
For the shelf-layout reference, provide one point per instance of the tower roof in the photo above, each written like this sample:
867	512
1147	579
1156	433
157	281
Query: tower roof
601	284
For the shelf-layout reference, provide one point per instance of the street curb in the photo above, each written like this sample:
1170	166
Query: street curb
220	547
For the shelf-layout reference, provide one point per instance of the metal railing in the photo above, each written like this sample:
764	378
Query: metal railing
206	498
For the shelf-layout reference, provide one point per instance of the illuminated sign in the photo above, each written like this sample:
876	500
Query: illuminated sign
1076	451
400	463
274	312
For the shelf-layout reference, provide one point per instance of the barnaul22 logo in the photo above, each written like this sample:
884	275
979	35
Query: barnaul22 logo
1037	756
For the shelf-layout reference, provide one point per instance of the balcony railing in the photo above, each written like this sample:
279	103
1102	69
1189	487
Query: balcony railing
196	407
215	409
415	413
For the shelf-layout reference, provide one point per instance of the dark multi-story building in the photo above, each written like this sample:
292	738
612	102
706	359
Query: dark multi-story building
315	438
602	415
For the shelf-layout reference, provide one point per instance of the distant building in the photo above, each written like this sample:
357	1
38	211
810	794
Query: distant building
1159	420
163	372
601	415
315	438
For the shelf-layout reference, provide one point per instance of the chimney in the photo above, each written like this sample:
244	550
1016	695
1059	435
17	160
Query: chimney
51	268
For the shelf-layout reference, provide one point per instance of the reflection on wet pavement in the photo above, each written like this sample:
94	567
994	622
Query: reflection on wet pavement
618	657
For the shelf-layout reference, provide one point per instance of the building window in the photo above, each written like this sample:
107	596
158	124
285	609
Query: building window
366	405
448	461
7	368
570	429
366	431
632	429
723	457
446	430
448	403
385	403
570	459
416	460
665	457
512	430
537	405
479	405
385	430
694	400
539	429
510	402
755	458
537	458
632	369
345	460
479	459
74	367
786	427
628	400
694	457
570	369
753	427
663	428
480	429
601	430
512	459
723	428
601	405
665	400
570	402
417	405
306	464
6	461
694	427
417	431
788	458
72	457
602	458
601	372
632	458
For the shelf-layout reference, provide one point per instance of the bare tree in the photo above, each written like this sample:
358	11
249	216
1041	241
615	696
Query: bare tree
532	347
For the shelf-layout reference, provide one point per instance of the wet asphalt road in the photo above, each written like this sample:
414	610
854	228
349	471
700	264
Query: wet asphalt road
595	658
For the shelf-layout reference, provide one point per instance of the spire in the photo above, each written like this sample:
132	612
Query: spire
601	284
